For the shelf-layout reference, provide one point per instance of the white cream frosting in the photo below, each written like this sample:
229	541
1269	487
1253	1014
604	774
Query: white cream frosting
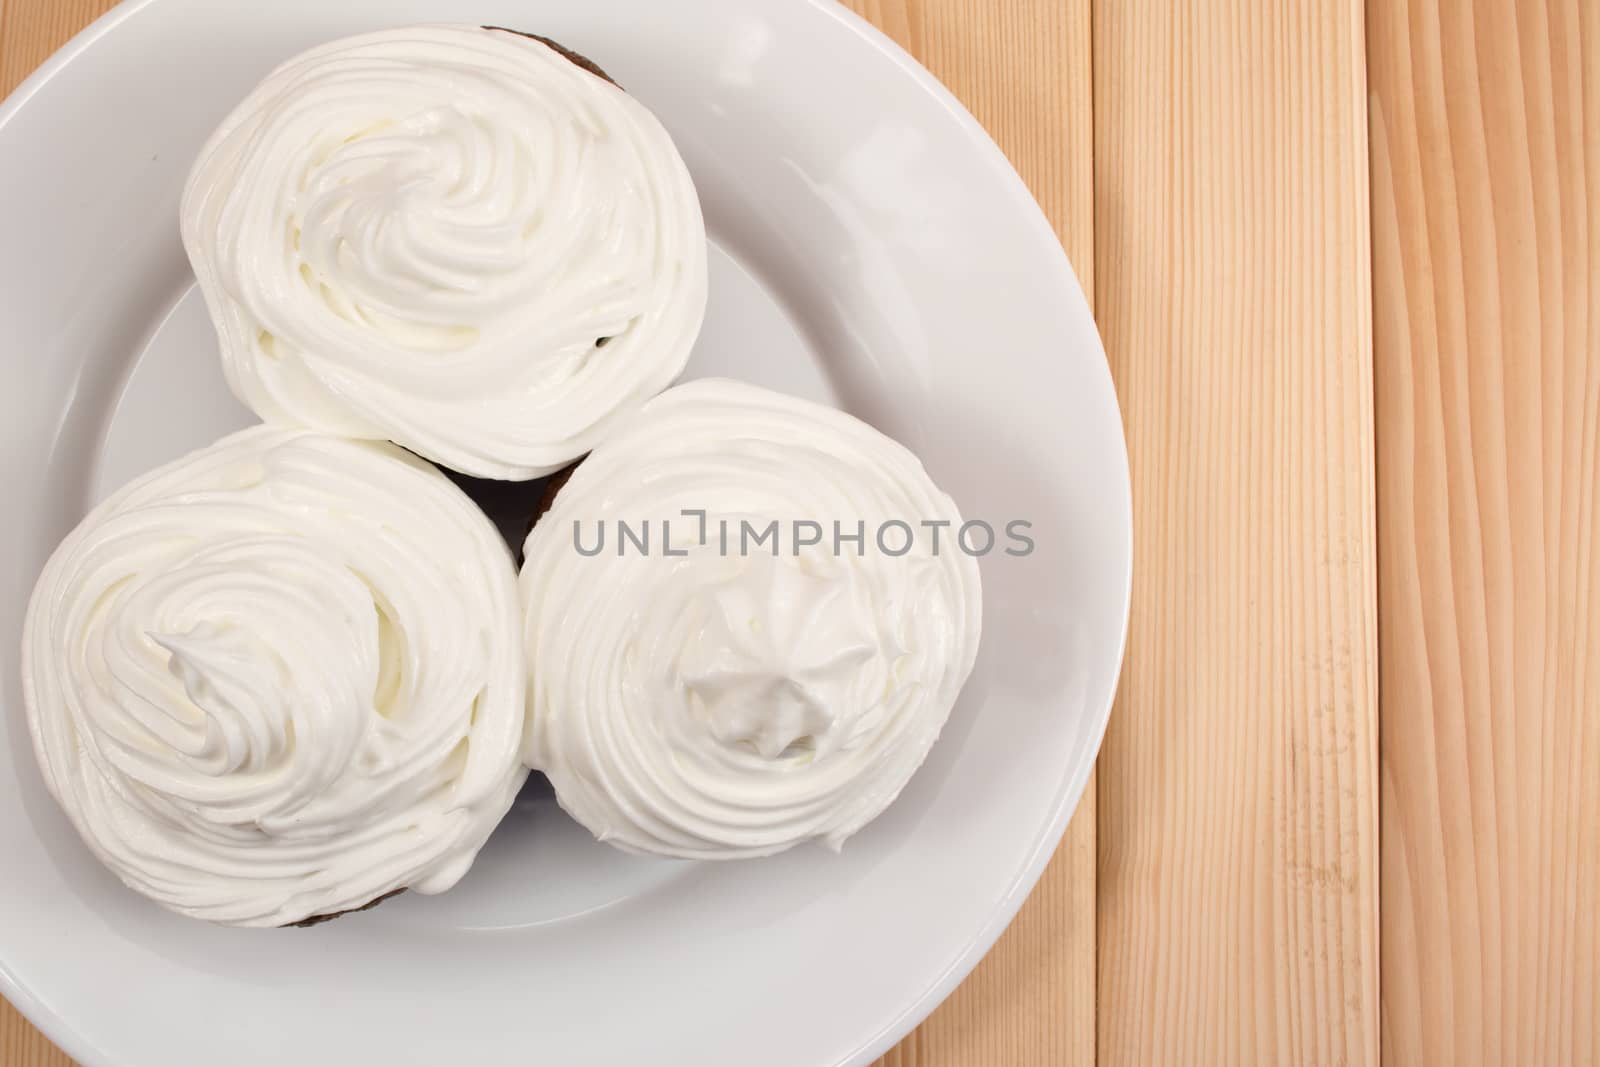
279	678
421	234
715	705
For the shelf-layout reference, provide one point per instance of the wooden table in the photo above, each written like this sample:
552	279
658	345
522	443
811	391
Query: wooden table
1346	260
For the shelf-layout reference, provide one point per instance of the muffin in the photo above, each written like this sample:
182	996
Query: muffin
464	240
719	668
279	679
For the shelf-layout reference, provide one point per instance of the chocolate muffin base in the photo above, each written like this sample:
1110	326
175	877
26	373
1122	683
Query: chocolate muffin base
580	60
319	919
547	500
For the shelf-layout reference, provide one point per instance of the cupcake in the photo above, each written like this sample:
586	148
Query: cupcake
279	679
743	627
464	240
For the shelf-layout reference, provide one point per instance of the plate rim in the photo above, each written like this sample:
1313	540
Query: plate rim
57	1028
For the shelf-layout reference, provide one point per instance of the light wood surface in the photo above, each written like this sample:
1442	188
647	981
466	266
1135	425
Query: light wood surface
1486	261
1238	821
1365	444
23	1046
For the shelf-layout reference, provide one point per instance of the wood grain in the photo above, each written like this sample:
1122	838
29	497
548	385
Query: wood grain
23	1046
1486	220
1031	1002
30	30
1238	826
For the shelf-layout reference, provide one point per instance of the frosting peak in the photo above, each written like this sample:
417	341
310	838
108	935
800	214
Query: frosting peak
238	686
776	656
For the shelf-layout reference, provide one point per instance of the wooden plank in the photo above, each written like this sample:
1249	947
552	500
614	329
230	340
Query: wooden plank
1022	67
1238	826
23	1046
1486	269
30	30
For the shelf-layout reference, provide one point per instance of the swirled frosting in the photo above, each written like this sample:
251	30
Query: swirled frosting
452	238
719	695
279	678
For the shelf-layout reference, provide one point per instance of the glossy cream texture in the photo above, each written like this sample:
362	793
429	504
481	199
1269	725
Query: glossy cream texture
720	704
423	235
279	677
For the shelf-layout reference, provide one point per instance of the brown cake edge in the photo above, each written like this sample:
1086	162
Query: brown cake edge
581	60
373	903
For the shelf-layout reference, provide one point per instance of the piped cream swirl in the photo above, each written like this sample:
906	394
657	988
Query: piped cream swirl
449	237
279	678
695	701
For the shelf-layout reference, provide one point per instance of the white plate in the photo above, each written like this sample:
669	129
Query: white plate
872	248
